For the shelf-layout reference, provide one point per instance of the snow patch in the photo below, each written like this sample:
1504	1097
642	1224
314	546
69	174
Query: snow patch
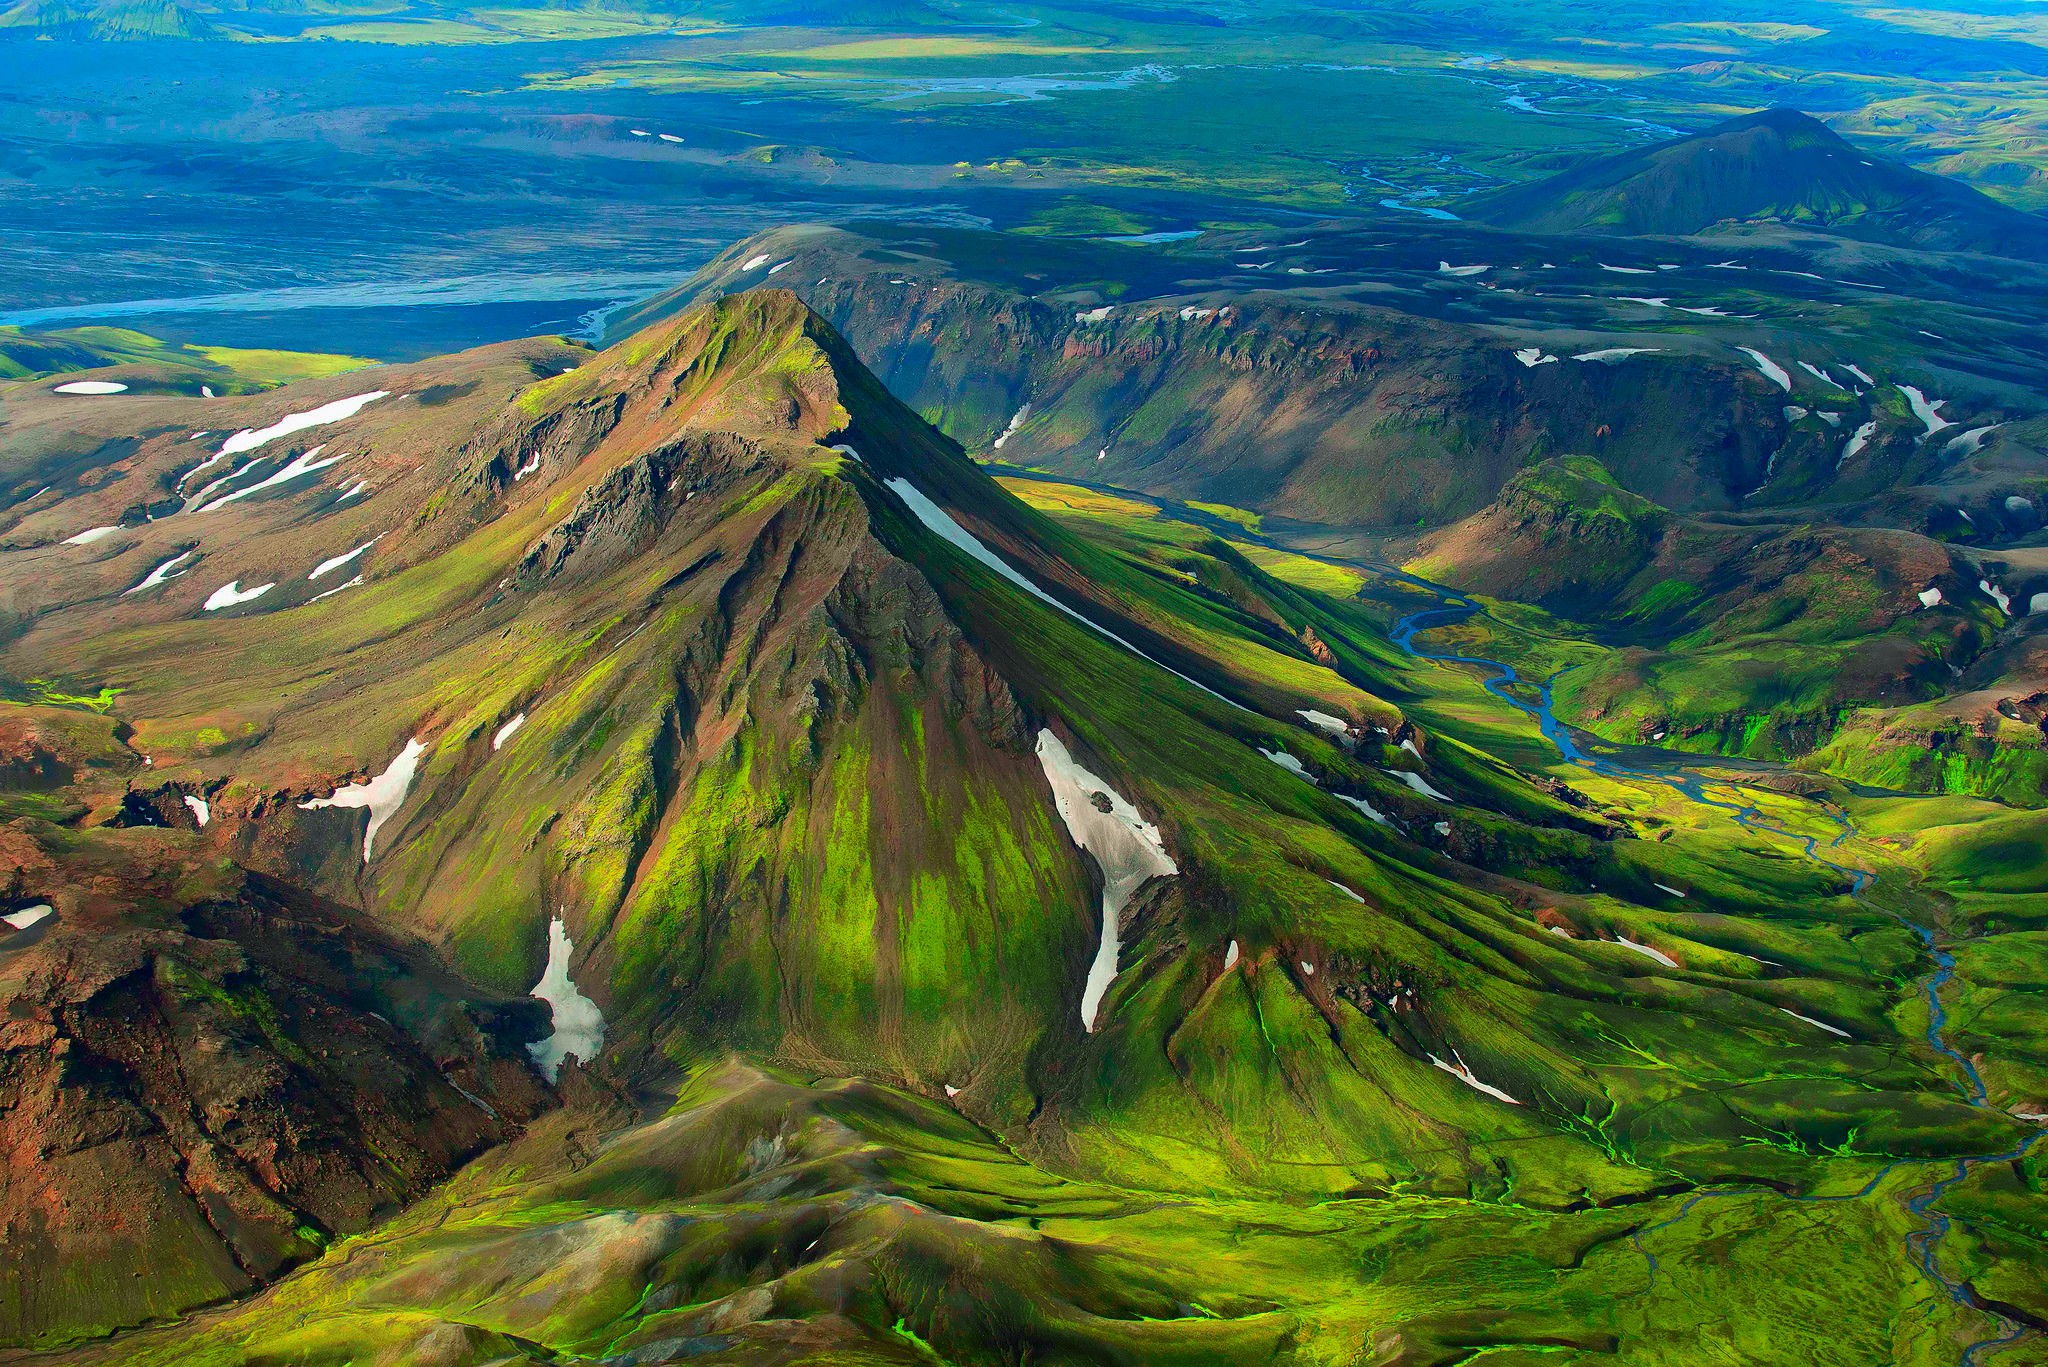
1773	372
249	438
1371	812
353	583
579	1025
1126	847
1097	315
1858	372
1858	439
1017	420
1230	957
754	263
507	731
232	592
90	535
1930	597
1533	356
1446	268
1346	891
1969	442
1459	1071
1811	1021
1616	353
1647	951
1666	887
383	795
1925	409
1286	761
1996	595
1419	784
202	810
1323	721
327	567
91	387
938	520
28	916
302	464
167	571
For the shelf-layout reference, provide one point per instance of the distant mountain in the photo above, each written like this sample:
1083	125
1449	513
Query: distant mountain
104	20
1777	166
114	20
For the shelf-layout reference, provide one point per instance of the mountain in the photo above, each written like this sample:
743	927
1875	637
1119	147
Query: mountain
1364	384
1013	920
105	20
1779	166
131	20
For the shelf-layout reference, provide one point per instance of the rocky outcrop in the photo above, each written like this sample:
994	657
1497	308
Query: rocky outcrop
205	1077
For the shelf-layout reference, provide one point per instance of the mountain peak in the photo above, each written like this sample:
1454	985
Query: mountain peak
1777	165
755	362
1781	119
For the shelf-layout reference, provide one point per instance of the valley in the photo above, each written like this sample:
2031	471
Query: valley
1428	969
938	682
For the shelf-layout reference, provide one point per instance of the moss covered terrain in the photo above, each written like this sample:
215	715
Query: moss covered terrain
1433	1045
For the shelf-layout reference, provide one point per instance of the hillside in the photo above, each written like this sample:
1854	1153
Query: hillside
1778	166
1141	887
1764	641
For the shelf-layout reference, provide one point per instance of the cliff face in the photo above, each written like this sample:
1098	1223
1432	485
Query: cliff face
1331	409
1357	416
205	1077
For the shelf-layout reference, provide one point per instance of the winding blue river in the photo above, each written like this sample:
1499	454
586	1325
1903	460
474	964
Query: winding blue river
1924	1244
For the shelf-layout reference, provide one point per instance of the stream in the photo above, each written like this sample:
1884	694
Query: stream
1923	1245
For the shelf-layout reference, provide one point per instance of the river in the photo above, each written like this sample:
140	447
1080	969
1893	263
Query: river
1923	1245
